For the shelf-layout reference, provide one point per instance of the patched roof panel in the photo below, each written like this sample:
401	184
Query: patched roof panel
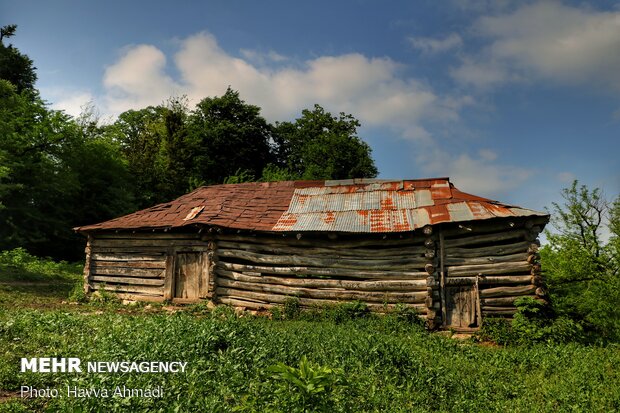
352	205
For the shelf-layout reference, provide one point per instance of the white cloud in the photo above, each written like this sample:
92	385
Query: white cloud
69	100
370	88
431	45
138	79
549	41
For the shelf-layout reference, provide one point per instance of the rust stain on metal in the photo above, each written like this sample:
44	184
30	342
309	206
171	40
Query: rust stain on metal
329	218
352	205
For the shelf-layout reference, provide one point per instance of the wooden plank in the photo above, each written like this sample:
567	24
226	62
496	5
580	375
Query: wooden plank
128	257
503	301
461	306
205	276
128	272
490	280
323	252
493	225
160	264
484	239
496	311
332	272
340	243
188	272
493	250
252	305
169	276
224	284
146	243
305	302
507	291
489	269
303	260
128	288
144	249
492	259
149	236
128	280
380	285
140	297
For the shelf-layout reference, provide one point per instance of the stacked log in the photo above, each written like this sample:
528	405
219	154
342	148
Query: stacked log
136	265
503	260
433	299
259	272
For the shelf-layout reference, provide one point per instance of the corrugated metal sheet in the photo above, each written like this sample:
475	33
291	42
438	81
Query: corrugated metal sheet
353	205
386	206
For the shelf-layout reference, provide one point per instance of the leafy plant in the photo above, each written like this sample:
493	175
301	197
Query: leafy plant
308	387
291	309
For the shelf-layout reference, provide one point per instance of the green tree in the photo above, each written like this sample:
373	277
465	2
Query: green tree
57	174
321	146
582	269
14	66
230	137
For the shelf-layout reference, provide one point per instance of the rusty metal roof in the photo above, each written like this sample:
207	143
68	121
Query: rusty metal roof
352	205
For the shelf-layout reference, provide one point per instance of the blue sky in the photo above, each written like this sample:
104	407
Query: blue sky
511	100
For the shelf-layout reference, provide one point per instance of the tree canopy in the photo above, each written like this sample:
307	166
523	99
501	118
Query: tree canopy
15	67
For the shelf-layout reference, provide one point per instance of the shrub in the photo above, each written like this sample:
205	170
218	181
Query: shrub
19	264
308	387
292	309
77	294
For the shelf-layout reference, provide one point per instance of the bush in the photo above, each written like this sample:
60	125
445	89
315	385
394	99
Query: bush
18	264
77	295
535	322
292	309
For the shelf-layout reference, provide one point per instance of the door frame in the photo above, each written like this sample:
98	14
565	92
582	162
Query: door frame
204	282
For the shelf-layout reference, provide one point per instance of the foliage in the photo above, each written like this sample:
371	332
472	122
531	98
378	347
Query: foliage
321	146
308	388
57	175
229	135
583	271
77	294
365	364
292	308
19	265
535	322
15	67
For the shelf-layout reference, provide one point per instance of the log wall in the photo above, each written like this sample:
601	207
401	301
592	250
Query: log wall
136	265
262	270
501	258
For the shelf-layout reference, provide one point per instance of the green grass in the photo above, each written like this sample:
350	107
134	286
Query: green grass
344	362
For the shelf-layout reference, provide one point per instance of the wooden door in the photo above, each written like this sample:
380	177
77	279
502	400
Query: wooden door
461	306
187	275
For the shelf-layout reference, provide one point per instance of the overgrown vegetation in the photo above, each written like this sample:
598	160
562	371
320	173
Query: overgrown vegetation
338	358
255	364
19	265
581	261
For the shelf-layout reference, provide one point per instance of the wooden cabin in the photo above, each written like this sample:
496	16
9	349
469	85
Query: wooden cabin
454	257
